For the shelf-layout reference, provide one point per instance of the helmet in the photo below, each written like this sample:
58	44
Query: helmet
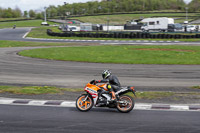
106	74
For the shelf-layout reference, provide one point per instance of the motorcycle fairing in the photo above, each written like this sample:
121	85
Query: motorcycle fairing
92	90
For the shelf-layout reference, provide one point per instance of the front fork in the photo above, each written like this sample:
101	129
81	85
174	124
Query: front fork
86	98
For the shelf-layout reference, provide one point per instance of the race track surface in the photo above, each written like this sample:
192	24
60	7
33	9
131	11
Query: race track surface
26	119
23	70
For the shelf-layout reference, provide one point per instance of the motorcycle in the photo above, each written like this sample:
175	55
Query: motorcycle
124	103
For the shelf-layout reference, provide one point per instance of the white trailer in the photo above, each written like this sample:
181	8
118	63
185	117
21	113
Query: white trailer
85	27
156	24
113	28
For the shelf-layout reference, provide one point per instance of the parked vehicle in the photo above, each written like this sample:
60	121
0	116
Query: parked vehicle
85	27
55	25
45	23
191	28
66	27
175	28
73	28
124	103
156	24
133	25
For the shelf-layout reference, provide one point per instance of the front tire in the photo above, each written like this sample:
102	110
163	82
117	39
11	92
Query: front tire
125	104
83	104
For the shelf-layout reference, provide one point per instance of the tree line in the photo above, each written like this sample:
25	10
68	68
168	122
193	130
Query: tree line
10	13
103	7
17	13
194	5
115	6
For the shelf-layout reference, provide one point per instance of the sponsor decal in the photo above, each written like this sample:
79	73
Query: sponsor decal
91	91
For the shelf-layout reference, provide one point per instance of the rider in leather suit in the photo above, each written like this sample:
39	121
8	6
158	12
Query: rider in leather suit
114	84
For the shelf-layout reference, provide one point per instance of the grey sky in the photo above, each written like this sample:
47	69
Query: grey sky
34	4
187	1
38	4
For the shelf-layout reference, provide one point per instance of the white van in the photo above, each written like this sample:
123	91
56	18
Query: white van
158	24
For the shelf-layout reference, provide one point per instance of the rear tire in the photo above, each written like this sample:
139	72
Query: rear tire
84	105
128	104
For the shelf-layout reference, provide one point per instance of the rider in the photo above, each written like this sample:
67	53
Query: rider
113	81
14	26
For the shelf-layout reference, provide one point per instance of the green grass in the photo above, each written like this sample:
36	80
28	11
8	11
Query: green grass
196	87
153	95
175	96
41	32
124	54
27	23
35	90
7	19
38	90
31	44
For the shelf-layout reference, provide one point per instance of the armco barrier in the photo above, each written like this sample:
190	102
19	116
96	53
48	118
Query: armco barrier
132	35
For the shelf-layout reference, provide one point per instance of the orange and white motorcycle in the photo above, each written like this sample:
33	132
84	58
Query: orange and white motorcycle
124	103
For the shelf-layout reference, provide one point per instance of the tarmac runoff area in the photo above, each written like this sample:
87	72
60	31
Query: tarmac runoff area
138	106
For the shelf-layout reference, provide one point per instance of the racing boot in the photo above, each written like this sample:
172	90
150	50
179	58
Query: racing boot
113	96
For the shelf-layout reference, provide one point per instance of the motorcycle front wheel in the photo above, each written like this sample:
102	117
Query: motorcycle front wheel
84	103
125	104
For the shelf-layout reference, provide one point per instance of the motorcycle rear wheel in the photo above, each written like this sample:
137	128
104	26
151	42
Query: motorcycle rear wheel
83	104
128	104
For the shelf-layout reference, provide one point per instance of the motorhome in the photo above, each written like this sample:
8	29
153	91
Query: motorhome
156	24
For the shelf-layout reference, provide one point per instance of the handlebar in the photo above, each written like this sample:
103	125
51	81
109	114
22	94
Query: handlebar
93	82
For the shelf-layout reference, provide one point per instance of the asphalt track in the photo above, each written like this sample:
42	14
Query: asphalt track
26	119
22	70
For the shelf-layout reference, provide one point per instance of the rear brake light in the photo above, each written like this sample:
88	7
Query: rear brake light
132	88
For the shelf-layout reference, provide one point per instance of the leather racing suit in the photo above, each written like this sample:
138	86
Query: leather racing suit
113	81
113	86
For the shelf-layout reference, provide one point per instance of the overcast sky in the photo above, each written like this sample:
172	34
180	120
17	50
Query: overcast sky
187	1
38	4
35	4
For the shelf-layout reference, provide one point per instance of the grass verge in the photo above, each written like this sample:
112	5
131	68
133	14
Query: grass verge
196	87
174	96
153	95
123	54
26	23
149	95
35	90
